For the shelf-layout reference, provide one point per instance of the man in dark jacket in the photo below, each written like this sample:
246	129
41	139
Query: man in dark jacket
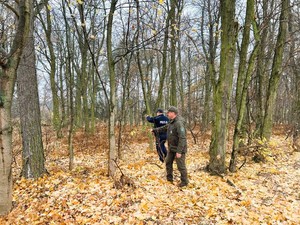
177	145
160	120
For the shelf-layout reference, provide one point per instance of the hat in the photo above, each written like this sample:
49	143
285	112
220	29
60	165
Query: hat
173	109
159	111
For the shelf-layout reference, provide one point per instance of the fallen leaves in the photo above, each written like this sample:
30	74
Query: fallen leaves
262	193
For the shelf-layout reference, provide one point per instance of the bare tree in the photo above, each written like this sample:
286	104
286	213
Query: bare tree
112	100
9	62
245	72
276	72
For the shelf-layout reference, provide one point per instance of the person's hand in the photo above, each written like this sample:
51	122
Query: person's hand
178	155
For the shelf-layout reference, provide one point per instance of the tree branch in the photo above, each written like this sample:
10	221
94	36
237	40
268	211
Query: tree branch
11	8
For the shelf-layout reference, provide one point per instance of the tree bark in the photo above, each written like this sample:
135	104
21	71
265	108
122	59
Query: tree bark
83	46
262	65
33	165
8	74
139	64
112	103
295	69
210	55
223	88
179	58
56	120
164	64
173	91
243	80
6	87
276	72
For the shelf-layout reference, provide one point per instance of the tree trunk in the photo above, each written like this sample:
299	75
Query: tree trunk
164	64
295	69
83	45
243	81
210	55
69	74
112	103
261	70
78	100
56	120
6	87
223	88
124	102
179	51
276	72
71	115
242	109
62	100
8	74
29	111
84	90
173	91
93	93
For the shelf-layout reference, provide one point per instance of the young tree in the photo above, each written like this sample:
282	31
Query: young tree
244	76
173	37
180	7
211	12
9	63
82	84
47	27
276	72
261	66
139	63
112	100
164	63
69	74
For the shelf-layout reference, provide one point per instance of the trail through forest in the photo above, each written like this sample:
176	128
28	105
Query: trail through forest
259	193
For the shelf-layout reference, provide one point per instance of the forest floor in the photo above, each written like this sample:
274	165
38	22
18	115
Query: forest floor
259	193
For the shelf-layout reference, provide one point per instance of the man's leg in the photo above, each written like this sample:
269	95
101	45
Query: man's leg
163	147
159	151
182	169
169	165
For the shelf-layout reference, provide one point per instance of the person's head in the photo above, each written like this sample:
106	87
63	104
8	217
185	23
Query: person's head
172	112
159	111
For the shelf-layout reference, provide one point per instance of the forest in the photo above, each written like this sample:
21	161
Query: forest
79	77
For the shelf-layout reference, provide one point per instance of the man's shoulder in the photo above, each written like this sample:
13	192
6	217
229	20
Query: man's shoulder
180	121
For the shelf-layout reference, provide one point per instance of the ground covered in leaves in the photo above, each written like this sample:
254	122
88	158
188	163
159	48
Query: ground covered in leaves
259	193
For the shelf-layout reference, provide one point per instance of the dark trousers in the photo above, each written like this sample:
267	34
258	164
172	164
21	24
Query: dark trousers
161	149
171	156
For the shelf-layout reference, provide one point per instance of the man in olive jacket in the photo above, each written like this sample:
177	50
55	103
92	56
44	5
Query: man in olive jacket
177	145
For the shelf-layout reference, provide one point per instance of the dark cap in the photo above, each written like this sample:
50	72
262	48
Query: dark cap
159	111
173	109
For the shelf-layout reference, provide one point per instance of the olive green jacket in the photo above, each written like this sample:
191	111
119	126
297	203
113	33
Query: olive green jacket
176	135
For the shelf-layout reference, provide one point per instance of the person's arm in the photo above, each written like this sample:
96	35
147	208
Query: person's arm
181	138
150	119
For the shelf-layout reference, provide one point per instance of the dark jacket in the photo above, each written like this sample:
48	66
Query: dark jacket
176	134
159	121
